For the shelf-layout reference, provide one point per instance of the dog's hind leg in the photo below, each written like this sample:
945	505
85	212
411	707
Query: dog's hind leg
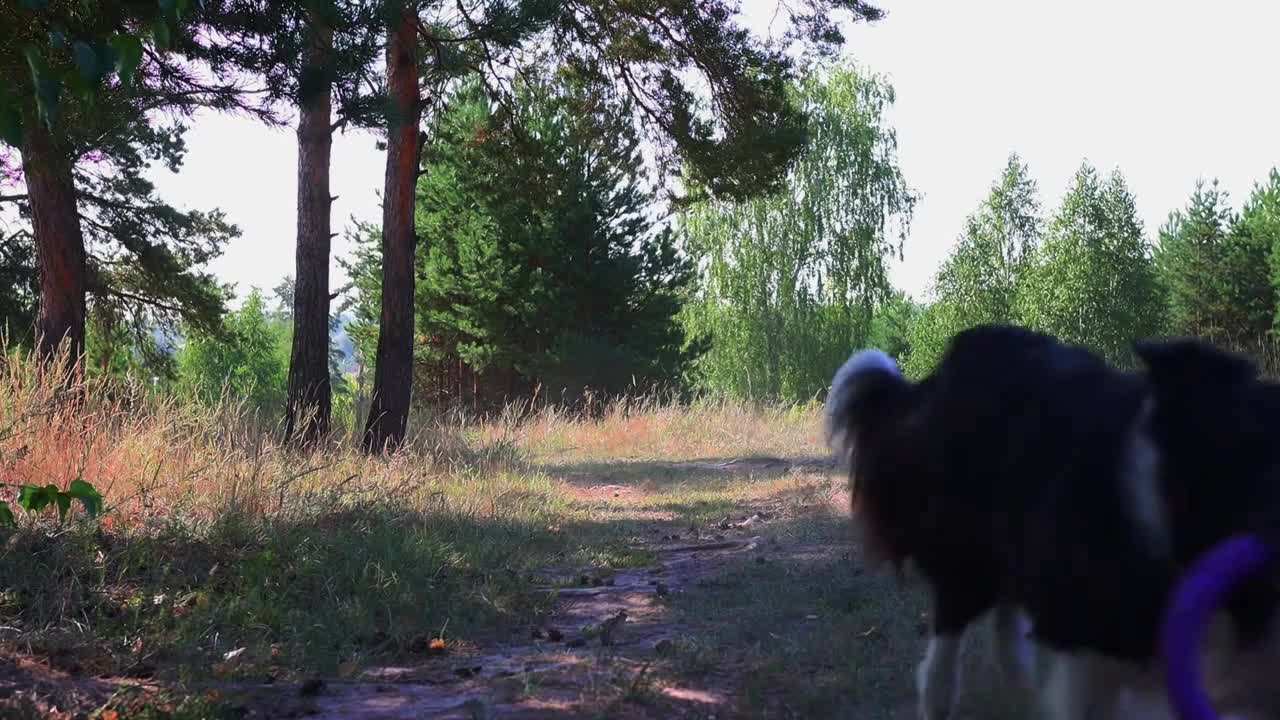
936	678
1082	686
1013	646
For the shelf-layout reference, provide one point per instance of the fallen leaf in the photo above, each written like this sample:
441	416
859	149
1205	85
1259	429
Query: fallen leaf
436	646
109	715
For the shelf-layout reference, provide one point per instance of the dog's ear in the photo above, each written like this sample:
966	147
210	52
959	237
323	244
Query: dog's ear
1191	360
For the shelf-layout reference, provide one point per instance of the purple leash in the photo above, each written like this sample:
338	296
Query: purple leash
1197	595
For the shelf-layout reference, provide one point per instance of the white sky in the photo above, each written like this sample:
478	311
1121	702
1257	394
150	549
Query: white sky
1167	90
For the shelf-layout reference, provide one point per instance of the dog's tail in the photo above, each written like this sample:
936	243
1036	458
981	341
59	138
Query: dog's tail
867	391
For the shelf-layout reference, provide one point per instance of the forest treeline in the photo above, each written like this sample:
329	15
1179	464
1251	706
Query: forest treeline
582	200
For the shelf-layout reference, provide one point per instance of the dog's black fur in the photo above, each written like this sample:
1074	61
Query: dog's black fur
1000	477
1218	426
1027	472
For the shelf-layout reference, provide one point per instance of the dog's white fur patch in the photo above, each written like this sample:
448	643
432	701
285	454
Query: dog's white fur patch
1014	649
870	359
1088	685
1085	686
1142	480
936	678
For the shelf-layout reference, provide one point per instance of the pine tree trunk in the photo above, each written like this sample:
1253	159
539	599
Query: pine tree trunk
393	373
310	396
60	252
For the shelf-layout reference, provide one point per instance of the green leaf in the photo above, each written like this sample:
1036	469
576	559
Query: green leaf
64	504
160	29
86	62
57	39
88	496
128	50
33	499
6	515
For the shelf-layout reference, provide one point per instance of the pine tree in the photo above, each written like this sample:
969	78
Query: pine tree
96	226
740	146
312	55
539	266
1215	266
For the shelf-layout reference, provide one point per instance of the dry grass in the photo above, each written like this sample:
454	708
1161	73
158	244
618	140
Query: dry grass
641	429
217	537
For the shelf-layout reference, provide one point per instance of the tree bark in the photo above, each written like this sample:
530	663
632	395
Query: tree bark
307	410
393	373
60	252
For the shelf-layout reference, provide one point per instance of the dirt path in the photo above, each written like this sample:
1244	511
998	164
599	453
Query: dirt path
596	651
600	647
615	645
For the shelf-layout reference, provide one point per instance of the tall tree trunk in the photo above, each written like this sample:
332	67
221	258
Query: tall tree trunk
60	253
310	396
393	373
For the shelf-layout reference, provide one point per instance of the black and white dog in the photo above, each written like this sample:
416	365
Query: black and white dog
1028	478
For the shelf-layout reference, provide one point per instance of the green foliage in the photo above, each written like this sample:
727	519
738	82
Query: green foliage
1092	281
277	41
929	335
1215	266
1261	222
122	347
736	140
284	293
34	499
540	265
247	360
73	46
790	281
978	282
892	323
18	281
144	257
